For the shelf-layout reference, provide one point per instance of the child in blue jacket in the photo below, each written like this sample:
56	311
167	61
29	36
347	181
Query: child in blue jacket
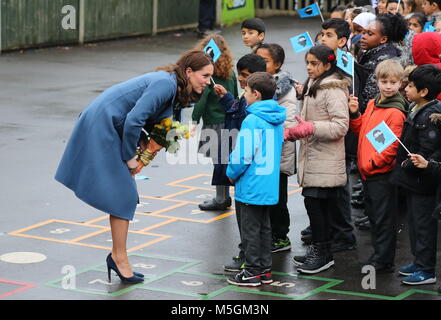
235	113
254	169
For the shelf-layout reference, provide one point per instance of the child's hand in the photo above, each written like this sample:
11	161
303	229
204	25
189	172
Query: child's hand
299	88
220	90
302	130
418	161
353	104
193	130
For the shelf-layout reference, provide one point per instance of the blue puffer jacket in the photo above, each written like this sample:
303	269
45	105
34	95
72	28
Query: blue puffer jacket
255	161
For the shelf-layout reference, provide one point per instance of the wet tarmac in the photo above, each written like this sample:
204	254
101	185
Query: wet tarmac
47	234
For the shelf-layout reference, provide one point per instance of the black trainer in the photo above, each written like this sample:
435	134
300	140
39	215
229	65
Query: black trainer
306	231
266	277
342	246
214	205
236	265
359	220
245	278
319	259
299	260
307	239
278	245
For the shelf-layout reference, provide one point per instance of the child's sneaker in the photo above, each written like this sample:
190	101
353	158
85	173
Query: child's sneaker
317	260
306	231
236	265
419	277
266	277
408	270
278	245
299	260
245	279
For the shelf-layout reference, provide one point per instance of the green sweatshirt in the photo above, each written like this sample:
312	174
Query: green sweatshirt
208	108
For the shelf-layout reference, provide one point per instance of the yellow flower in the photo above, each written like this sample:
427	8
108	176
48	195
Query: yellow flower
167	123
187	135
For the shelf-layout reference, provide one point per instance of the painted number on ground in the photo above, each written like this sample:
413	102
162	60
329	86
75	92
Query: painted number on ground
192	283
60	231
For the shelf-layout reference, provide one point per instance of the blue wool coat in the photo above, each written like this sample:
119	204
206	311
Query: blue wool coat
106	135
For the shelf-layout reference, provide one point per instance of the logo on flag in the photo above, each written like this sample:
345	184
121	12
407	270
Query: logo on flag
381	137
345	61
309	11
213	50
301	42
428	27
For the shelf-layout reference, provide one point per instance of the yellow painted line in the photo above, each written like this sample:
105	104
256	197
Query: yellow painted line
62	241
178	193
294	191
31	227
96	220
80	224
197	188
221	216
178	205
90	235
173	183
149	243
161	199
158	225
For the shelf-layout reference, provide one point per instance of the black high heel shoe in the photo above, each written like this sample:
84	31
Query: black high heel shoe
111	265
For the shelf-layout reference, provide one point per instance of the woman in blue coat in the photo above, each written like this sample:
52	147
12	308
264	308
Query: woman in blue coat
100	159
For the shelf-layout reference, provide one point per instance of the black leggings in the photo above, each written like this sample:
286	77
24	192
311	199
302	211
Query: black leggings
318	212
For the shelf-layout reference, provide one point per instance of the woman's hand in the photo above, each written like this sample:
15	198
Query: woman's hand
353	104
132	164
153	146
418	161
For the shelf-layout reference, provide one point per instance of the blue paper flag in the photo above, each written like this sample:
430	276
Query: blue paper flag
301	42
428	27
381	137
309	11
345	61
213	50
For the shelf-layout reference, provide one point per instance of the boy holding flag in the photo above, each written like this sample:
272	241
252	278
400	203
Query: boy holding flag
421	135
375	164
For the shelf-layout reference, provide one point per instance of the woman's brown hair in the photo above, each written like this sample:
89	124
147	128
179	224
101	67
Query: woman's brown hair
195	60
223	66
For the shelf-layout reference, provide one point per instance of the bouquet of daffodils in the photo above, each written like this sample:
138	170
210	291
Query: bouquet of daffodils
167	133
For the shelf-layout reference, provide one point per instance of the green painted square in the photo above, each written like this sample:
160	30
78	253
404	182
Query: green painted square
193	284
94	279
291	286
